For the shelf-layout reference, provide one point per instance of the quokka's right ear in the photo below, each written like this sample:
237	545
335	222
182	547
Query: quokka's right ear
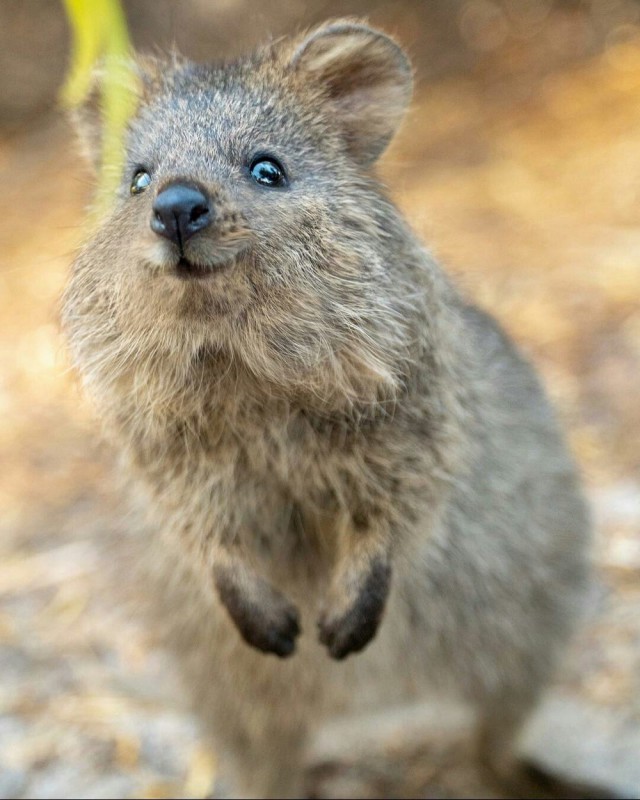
116	88
366	78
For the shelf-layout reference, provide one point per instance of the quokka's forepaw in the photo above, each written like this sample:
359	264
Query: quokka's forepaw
264	618
348	627
276	635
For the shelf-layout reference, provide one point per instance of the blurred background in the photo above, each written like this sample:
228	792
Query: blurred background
519	165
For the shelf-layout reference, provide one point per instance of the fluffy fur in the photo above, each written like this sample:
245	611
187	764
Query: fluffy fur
326	435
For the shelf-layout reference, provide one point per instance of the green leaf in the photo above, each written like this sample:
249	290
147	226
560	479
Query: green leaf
100	34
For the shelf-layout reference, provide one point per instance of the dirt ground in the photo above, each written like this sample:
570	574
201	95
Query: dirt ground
526	182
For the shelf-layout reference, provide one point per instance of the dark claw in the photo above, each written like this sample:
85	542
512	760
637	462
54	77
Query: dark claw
270	624
352	632
348	635
277	636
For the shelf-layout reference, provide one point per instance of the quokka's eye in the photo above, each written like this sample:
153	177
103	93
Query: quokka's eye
140	181
267	171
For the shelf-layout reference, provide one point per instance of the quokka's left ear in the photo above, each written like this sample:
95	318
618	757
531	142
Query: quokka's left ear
367	79
127	83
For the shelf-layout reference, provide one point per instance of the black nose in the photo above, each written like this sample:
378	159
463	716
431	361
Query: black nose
179	211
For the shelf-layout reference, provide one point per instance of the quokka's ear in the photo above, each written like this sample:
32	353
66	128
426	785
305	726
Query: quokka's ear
115	88
86	117
367	79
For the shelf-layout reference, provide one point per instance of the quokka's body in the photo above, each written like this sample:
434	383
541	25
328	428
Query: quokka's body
338	454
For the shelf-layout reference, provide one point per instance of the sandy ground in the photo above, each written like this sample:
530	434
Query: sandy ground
531	198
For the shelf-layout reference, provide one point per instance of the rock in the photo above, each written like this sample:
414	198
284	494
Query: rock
585	744
12	783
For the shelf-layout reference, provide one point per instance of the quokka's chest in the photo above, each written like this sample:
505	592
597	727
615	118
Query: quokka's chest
263	460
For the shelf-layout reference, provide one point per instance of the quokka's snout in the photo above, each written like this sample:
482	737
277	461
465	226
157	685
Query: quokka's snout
197	229
180	211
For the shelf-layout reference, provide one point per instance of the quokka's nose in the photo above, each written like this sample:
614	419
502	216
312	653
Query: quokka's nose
179	211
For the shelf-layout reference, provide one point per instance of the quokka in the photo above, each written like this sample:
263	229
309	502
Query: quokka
357	492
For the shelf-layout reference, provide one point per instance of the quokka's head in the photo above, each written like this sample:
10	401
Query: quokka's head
248	221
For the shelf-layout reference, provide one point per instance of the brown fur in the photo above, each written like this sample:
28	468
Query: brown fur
324	432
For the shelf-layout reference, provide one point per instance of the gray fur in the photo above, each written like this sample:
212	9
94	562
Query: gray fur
323	410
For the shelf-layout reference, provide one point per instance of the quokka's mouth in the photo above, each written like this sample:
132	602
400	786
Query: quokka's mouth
189	270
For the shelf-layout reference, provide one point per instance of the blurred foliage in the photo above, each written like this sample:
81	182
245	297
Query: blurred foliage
100	35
